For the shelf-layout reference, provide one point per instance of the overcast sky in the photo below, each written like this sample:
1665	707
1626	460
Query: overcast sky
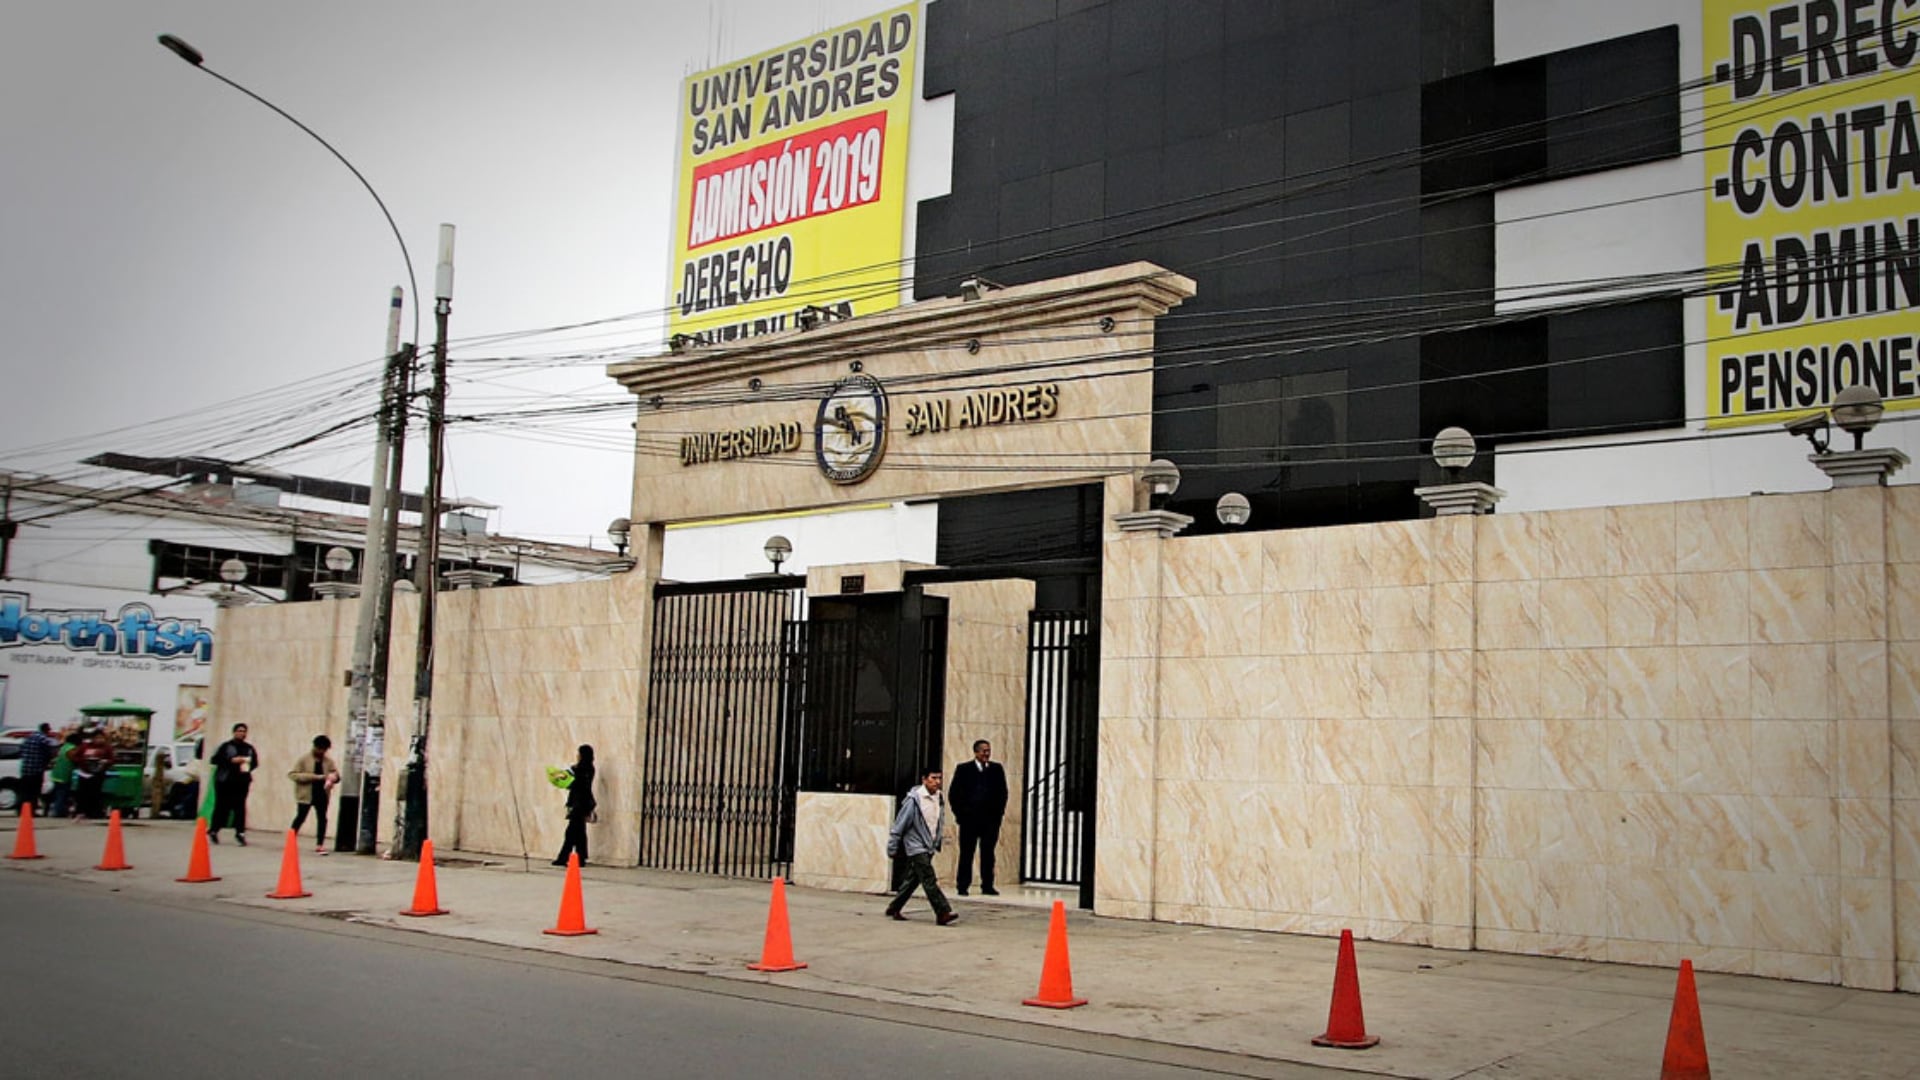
166	243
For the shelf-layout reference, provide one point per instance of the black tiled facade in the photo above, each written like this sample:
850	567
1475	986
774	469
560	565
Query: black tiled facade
1302	161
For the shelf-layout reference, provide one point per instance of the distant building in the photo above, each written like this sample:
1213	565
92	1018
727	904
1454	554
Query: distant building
111	591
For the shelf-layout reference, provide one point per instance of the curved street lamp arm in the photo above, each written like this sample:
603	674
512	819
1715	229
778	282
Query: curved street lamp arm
176	46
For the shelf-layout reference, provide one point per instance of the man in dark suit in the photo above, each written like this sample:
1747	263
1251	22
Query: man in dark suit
978	794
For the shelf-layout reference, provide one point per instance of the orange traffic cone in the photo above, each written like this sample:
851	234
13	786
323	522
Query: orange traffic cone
1346	1026
199	864
777	953
115	857
1056	971
1686	1040
426	895
23	845
289	887
573	908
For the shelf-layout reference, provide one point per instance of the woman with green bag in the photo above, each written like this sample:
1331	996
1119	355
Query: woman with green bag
580	805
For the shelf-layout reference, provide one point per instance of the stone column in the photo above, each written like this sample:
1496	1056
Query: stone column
631	598
1453	623
1130	649
1859	699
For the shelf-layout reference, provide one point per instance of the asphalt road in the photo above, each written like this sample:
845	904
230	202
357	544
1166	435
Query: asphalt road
122	987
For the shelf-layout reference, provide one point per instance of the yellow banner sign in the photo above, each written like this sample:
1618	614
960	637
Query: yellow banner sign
793	182
1813	212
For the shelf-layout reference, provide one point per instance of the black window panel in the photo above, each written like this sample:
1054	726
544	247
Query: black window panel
942	254
1456	250
944	25
1257	159
1079	196
1317	65
1079	122
1195	97
1133	112
1258	18
1198	28
1138	35
1386	34
193	562
1019	526
1026	207
1489	380
976	164
1022	141
1617	368
1081	41
1255	83
1456	36
1598	106
1133	184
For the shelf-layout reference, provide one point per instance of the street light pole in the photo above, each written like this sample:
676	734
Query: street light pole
368	676
410	825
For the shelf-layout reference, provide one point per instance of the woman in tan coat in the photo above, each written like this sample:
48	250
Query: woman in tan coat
314	778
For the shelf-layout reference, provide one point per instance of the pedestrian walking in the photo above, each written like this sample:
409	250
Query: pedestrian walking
62	773
234	763
580	808
915	836
91	760
314	778
158	784
979	800
36	753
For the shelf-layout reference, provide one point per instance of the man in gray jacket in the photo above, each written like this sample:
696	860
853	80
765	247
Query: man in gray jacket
916	833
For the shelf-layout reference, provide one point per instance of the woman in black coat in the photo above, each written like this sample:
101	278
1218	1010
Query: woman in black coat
580	807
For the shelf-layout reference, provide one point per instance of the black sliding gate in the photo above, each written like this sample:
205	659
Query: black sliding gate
722	728
1062	751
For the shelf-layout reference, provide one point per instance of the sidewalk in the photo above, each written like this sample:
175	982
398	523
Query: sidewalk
1438	1013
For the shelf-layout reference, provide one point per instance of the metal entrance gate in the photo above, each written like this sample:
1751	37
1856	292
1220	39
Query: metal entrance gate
722	728
1062	751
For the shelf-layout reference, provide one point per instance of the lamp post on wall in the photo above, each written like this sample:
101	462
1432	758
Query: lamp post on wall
1233	509
338	561
1453	450
360	789
1855	411
232	573
777	550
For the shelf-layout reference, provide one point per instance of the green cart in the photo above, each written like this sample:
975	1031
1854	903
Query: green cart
128	727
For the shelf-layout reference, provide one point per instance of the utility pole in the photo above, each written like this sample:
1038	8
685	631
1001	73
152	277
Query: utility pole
8	529
400	375
410	826
374	573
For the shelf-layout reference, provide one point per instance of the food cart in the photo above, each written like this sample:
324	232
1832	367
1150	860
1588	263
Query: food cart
127	727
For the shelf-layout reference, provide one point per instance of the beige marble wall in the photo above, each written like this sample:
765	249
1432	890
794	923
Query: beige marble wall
522	676
987	698
1631	734
840	841
279	671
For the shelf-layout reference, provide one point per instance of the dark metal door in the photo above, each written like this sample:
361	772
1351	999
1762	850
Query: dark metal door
1062	751
722	738
873	699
